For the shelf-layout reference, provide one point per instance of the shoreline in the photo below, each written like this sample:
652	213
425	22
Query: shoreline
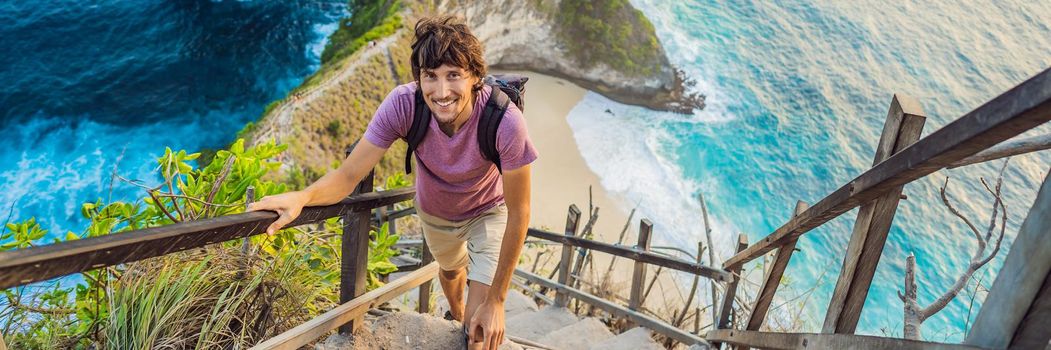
561	177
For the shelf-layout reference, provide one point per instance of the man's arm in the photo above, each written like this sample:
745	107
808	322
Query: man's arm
490	315
329	189
516	197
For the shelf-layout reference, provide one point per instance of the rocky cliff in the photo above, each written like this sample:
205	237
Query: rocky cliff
321	118
541	36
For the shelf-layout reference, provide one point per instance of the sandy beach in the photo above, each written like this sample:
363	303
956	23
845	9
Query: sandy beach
561	177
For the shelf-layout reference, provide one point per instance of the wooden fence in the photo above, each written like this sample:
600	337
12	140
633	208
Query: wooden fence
1015	315
902	157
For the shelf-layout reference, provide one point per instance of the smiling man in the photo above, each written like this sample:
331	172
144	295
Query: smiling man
475	211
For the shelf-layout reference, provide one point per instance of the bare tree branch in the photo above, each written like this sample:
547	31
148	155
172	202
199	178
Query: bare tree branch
914	315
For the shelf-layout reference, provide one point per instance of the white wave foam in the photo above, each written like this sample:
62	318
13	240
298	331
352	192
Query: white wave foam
56	173
321	33
629	151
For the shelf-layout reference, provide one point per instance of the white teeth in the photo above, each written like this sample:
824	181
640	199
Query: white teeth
446	103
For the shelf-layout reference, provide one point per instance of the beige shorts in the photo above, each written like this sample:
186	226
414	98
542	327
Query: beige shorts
474	243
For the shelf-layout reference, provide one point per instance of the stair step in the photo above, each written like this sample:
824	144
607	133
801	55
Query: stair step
637	338
518	303
406	331
515	304
579	335
535	325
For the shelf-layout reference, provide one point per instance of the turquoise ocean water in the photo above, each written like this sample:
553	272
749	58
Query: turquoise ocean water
93	88
797	96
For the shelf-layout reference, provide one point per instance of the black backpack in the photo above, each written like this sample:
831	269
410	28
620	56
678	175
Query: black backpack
506	88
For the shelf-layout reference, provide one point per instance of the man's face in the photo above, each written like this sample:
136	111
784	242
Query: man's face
447	91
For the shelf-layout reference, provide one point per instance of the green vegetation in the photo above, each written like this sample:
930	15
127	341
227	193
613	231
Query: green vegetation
612	32
315	142
213	297
334	127
370	20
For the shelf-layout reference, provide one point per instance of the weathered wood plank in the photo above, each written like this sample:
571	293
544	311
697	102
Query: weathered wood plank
423	304
638	318
904	124
726	310
321	325
785	341
572	219
1019	283
638	276
355	254
1006	149
1034	332
635	254
773	279
35	264
1022	108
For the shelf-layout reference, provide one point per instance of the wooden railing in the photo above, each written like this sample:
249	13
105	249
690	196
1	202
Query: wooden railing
902	157
23	266
642	257
34	264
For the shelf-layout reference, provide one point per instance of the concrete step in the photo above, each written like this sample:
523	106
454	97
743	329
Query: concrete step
579	335
515	304
535	325
637	338
518	303
406	331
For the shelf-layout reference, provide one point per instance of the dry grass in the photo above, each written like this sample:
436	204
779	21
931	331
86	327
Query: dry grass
325	125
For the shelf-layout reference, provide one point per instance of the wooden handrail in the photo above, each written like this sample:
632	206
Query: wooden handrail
785	341
635	254
1008	148
639	318
1024	107
35	264
307	332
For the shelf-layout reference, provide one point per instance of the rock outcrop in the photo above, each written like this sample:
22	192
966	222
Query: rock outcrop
523	35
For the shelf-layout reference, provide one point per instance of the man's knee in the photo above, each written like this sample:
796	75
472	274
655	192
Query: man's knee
450	275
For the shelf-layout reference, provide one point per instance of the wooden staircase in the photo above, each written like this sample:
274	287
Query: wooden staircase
528	327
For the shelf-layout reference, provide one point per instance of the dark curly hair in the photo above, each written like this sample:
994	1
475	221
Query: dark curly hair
446	40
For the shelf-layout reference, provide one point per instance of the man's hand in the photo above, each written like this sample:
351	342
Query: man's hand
288	205
487	325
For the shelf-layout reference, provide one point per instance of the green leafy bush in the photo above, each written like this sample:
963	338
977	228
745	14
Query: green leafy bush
612	32
218	296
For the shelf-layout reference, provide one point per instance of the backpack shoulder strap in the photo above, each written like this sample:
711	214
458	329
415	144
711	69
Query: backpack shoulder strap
488	125
421	119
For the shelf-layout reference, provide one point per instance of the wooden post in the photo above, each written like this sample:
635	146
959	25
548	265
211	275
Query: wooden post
582	253
424	304
773	279
638	277
247	241
355	255
903	127
1017	310
693	289
392	226
731	288
561	298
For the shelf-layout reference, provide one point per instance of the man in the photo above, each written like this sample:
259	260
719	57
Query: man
474	216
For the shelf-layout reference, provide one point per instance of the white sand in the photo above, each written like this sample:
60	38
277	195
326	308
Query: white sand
561	177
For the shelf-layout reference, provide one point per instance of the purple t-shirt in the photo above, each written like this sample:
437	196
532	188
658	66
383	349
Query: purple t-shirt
453	179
